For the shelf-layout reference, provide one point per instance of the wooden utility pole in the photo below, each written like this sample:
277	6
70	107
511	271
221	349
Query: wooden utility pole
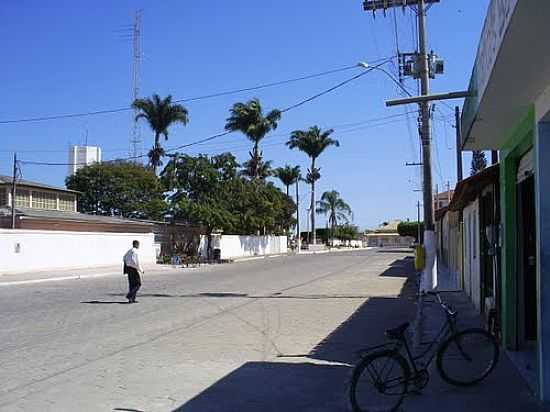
458	145
418	219
422	71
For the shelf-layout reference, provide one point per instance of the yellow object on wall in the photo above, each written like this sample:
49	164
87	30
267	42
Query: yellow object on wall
419	257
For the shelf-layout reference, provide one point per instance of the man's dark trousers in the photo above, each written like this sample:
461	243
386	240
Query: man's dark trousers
134	283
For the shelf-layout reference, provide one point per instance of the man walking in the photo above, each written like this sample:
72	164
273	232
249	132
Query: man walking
133	268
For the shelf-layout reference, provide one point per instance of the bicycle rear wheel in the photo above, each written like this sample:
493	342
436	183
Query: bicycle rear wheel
379	382
467	357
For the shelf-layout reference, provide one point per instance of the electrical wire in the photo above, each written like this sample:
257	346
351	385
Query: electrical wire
378	122
190	99
218	135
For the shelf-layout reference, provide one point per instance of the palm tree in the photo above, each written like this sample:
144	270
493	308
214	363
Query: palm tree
312	142
160	114
288	175
335	207
249	119
261	170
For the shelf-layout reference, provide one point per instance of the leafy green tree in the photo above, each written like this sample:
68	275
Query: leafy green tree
208	191
411	229
347	232
479	162
248	118
335	207
118	189
312	142
160	115
288	175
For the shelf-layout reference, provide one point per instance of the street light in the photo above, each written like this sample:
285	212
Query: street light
366	66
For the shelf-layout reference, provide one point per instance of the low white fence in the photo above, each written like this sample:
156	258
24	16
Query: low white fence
347	243
235	246
35	250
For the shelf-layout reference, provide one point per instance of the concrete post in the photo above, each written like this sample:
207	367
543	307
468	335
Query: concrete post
542	206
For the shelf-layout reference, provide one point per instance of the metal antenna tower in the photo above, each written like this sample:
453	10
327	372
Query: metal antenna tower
135	136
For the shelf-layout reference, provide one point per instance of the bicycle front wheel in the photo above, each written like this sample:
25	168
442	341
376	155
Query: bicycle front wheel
379	382
467	357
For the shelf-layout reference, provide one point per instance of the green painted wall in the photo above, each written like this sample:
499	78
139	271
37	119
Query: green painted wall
517	144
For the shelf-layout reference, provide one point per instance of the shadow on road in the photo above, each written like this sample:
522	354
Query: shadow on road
127	410
221	295
104	302
399	268
320	381
395	250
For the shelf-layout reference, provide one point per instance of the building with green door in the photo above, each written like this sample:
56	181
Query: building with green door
509	111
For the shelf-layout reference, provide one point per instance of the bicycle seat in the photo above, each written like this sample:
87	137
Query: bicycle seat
397	333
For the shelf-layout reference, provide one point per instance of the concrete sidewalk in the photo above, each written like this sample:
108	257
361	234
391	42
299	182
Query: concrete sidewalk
503	390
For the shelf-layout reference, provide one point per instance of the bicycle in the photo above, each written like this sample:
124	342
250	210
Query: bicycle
464	358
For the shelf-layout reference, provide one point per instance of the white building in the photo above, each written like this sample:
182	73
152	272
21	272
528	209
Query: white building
80	156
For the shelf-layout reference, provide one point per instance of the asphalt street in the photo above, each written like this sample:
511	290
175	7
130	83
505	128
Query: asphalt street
272	334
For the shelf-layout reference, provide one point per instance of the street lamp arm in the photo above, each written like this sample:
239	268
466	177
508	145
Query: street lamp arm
387	73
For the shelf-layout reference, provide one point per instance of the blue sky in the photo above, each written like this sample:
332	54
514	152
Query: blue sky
71	56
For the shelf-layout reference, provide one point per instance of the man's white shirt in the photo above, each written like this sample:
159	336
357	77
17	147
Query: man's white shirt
131	259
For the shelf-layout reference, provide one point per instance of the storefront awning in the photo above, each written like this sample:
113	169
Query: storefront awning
511	70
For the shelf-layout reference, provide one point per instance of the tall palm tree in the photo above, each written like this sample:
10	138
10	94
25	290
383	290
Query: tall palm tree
249	119
312	142
160	114
335	207
288	175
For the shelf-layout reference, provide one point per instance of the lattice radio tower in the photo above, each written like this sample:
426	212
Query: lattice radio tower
135	136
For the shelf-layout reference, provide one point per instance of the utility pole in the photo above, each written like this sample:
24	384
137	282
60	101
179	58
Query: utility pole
418	219
458	145
425	116
422	70
13	190
299	239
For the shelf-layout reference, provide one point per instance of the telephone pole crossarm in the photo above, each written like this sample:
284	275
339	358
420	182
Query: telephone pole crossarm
373	5
429	98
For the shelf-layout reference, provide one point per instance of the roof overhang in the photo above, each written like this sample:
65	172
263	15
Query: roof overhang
511	70
469	189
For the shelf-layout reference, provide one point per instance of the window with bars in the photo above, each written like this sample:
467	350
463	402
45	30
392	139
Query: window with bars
44	200
66	203
22	198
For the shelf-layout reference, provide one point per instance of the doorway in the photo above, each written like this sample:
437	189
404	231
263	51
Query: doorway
527	265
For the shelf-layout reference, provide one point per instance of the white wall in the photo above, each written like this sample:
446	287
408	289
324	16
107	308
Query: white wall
235	246
30	250
472	272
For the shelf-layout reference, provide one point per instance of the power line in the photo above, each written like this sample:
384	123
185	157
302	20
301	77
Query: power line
334	126
190	99
218	135
390	120
341	84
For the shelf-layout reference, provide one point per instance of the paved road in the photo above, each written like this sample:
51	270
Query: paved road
265	335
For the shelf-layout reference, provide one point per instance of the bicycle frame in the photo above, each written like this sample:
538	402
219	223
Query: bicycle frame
448	328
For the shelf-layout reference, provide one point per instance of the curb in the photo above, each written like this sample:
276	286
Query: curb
43	280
